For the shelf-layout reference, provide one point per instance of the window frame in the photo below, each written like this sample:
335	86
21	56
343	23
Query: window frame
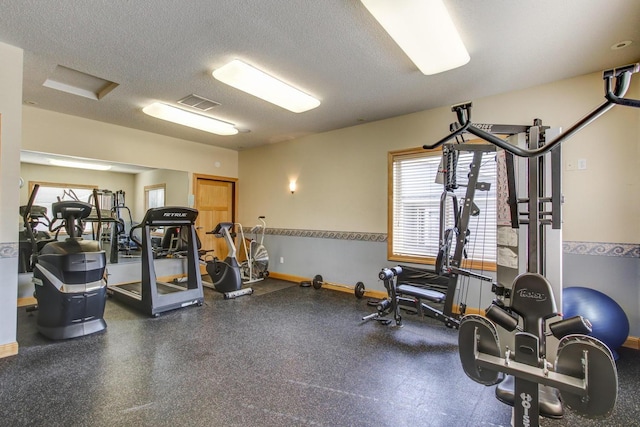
418	152
150	188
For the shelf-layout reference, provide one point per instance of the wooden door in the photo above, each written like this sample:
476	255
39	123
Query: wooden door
215	200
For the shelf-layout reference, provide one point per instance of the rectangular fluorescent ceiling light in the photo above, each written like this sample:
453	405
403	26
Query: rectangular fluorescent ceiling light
79	83
260	84
187	118
424	31
79	165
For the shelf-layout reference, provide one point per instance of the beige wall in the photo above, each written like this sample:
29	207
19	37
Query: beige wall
102	180
176	183
10	136
176	189
600	202
342	174
50	132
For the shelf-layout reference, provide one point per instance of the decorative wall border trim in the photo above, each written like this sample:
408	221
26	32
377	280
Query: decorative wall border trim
324	234
8	249
623	250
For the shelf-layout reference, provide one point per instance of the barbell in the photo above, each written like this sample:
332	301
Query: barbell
358	289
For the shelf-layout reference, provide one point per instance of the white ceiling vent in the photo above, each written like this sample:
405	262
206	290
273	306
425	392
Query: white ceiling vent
198	102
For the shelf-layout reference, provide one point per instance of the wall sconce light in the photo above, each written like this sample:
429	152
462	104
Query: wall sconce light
292	186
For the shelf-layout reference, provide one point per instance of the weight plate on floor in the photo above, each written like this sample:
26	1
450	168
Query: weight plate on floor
317	281
359	290
602	377
472	328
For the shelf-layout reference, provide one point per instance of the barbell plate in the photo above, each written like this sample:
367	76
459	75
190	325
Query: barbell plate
317	281
359	290
602	376
474	327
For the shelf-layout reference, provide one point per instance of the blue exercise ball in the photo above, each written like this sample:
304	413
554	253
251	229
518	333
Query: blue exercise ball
610	323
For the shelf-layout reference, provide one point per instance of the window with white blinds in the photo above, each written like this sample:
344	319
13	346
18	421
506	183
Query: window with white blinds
415	212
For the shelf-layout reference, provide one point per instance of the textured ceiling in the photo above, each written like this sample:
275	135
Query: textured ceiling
162	50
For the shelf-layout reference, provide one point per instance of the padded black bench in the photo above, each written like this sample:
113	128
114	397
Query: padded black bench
420	293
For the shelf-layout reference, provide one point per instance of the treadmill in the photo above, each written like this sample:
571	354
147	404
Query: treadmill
151	296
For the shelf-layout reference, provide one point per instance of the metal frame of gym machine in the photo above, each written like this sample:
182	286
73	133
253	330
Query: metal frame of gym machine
149	300
412	293
584	370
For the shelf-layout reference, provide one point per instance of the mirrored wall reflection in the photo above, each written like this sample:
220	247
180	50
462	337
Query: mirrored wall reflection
125	189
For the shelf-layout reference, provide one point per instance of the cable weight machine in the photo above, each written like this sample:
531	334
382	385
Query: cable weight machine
584	370
417	289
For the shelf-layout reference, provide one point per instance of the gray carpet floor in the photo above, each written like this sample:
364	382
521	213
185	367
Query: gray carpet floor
284	356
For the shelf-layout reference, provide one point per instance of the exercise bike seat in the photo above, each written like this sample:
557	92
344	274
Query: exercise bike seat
548	399
420	293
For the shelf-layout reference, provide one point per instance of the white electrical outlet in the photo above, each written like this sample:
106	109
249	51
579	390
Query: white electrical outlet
281	260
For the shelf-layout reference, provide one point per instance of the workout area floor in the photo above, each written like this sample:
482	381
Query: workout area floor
284	356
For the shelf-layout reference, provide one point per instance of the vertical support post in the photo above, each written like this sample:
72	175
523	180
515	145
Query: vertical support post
512	198
148	289
193	264
533	231
553	234
526	408
556	188
463	226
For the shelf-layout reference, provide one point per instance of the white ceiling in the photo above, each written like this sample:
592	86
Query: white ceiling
163	50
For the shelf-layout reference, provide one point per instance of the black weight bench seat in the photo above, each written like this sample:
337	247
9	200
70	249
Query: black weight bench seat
423	277
420	293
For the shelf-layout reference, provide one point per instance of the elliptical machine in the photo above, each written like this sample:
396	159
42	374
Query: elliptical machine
225	275
69	276
255	266
31	240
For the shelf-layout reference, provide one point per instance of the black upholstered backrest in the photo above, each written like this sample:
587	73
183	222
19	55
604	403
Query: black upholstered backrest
532	298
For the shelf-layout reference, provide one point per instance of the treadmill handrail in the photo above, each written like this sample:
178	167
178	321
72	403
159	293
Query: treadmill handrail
170	215
613	97
133	237
166	216
220	228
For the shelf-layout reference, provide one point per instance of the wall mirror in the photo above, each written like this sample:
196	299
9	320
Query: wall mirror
139	186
